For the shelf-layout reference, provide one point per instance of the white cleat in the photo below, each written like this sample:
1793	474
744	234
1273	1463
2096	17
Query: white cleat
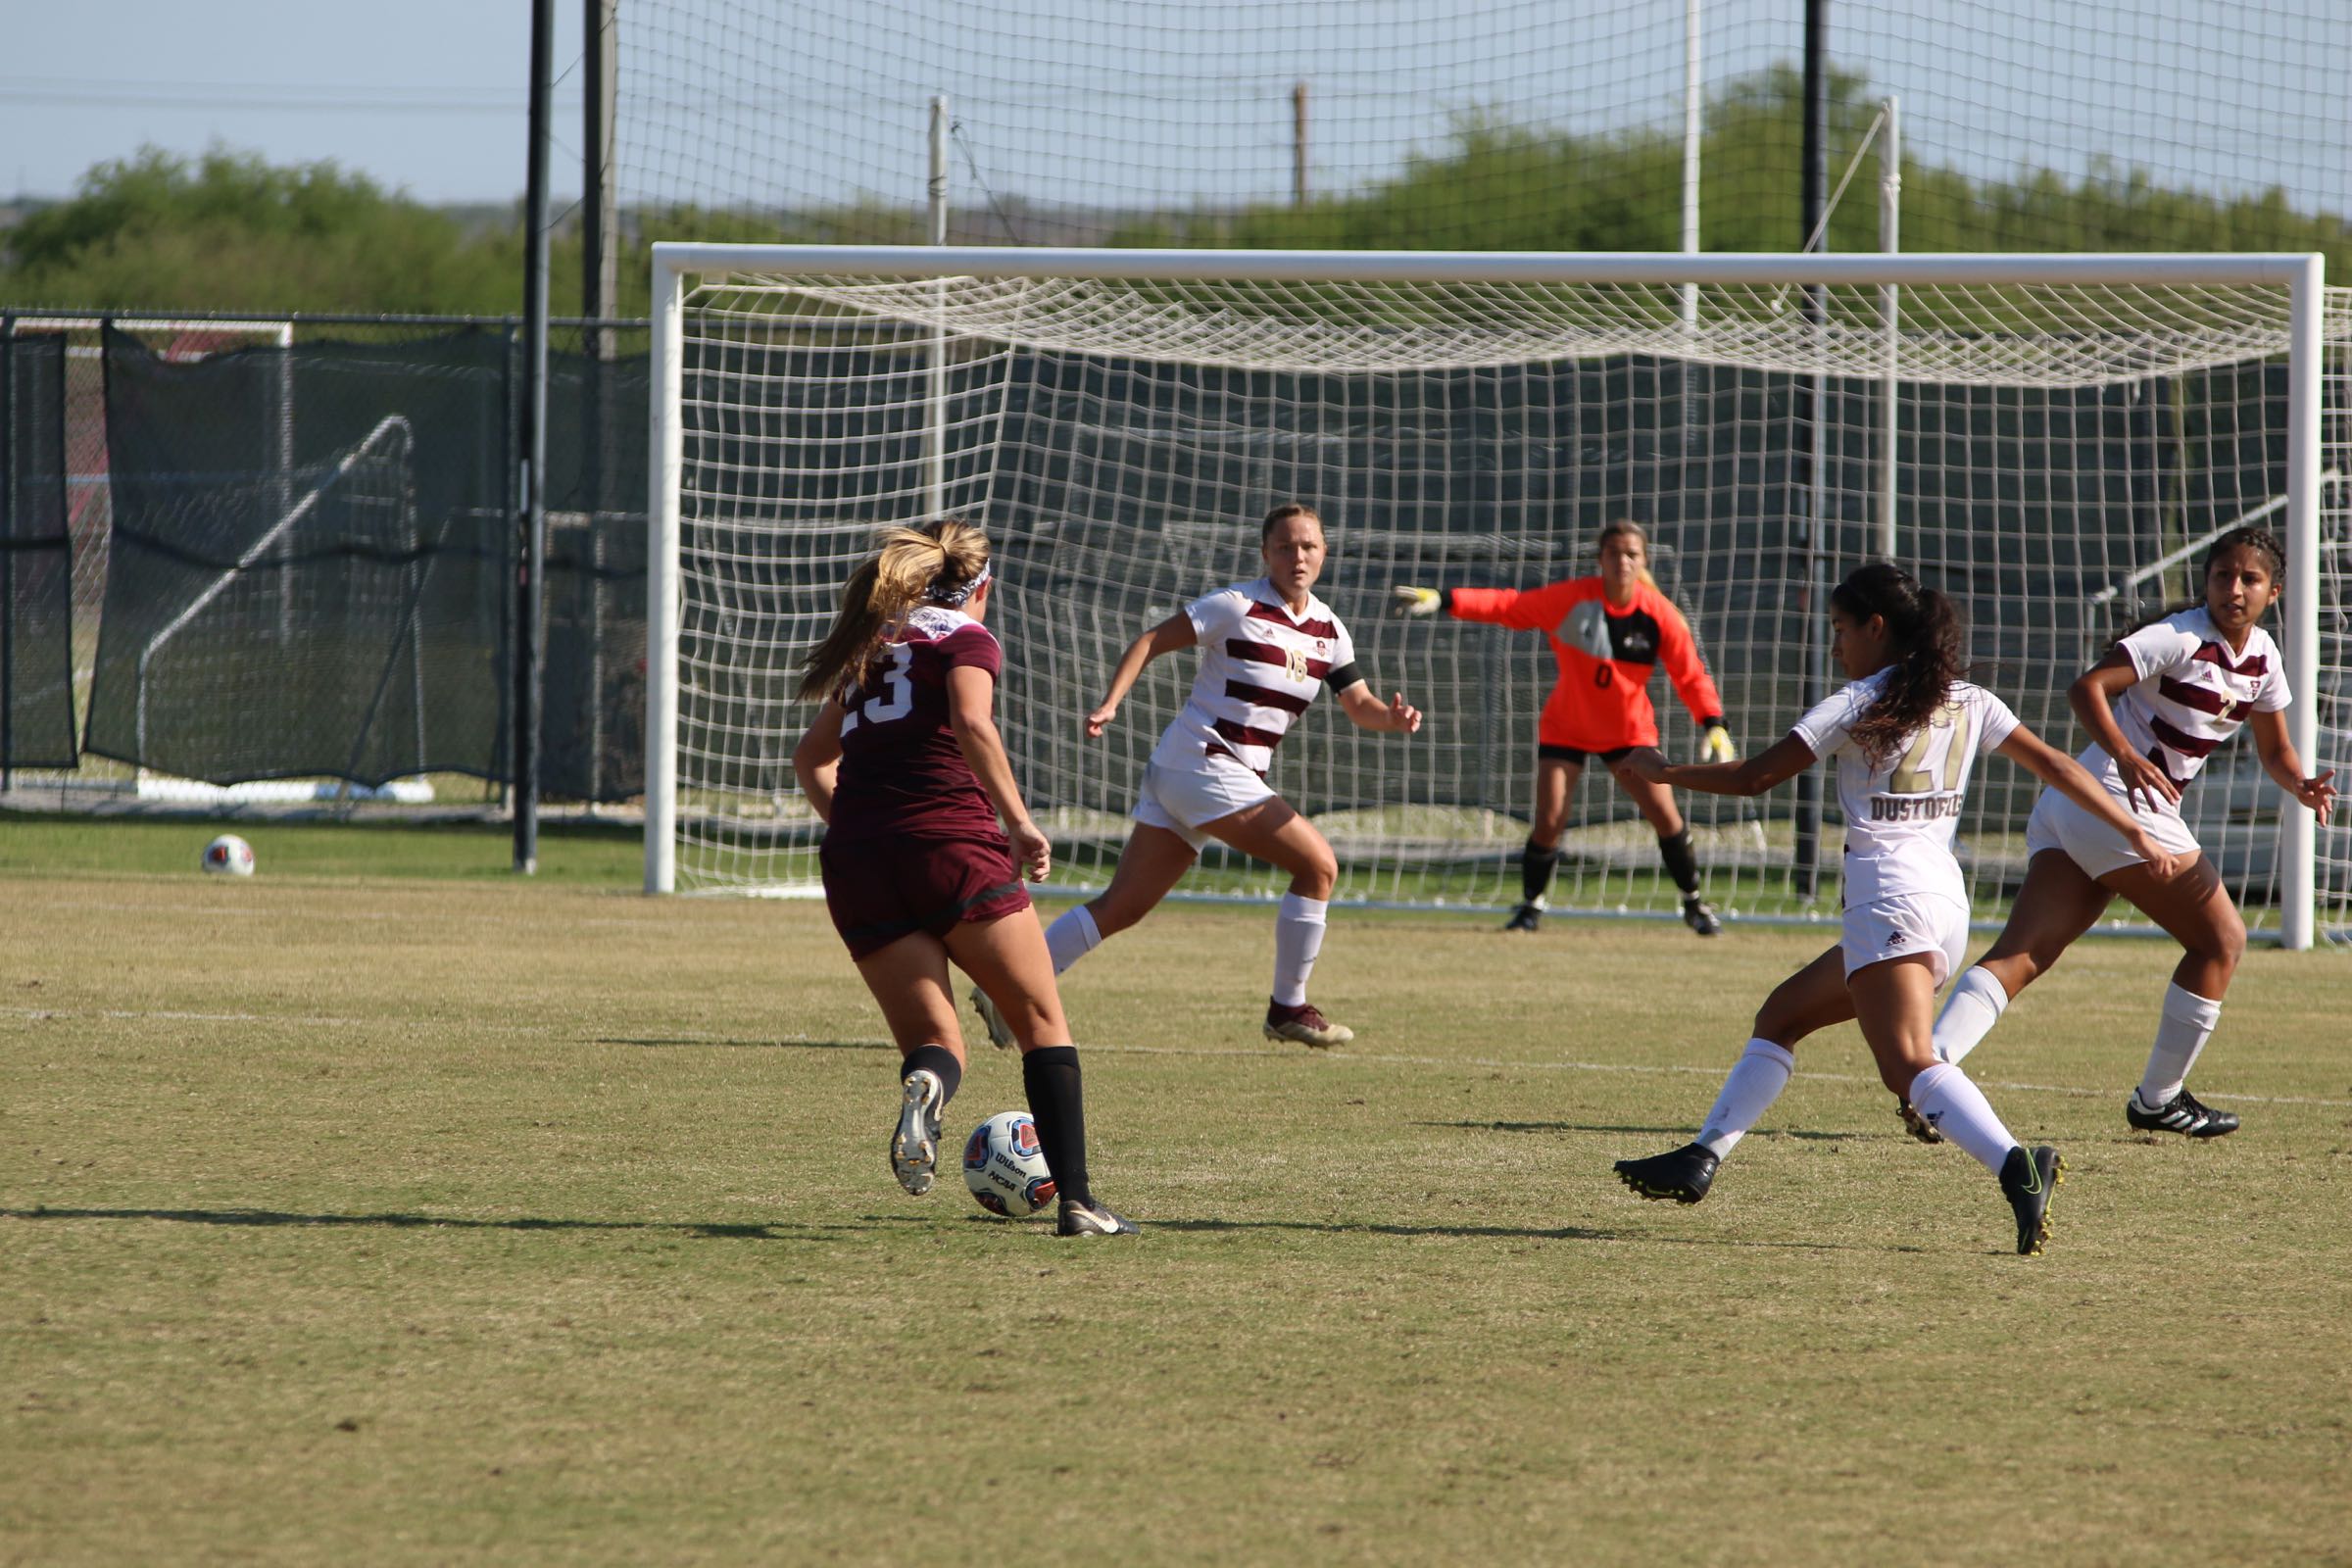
999	1033
915	1146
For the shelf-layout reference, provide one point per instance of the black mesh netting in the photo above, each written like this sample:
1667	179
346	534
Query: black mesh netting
313	562
37	557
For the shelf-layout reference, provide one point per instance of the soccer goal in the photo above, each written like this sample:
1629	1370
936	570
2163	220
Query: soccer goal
2031	433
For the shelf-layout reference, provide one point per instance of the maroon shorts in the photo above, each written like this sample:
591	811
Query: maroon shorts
880	890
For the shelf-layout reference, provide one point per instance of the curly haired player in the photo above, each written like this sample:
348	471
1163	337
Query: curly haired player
1905	735
905	767
1608	633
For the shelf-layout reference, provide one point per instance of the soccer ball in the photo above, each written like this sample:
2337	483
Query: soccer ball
229	855
1005	1167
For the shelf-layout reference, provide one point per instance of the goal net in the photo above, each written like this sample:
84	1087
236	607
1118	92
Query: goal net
2051	439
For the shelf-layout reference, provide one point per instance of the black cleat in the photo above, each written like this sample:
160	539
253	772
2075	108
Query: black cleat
1914	1123
1078	1218
2027	1180
2183	1114
1526	917
1699	917
1684	1175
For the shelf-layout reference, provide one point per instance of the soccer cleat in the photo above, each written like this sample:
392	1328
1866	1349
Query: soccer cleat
1526	917
999	1033
1699	917
1090	1218
1684	1175
1304	1024
2183	1114
915	1146
2028	1178
1914	1123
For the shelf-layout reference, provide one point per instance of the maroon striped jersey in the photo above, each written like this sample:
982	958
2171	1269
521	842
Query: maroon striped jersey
901	773
2193	694
1260	665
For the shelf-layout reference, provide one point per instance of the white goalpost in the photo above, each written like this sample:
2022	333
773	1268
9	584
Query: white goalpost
2056	431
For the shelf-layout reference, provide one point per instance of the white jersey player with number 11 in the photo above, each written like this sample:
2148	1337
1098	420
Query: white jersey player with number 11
1905	735
1267	649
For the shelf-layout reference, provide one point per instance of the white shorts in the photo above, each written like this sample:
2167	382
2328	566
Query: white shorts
1181	799
2058	823
1904	925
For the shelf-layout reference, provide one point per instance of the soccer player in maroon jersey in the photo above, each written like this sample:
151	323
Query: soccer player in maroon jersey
905	767
1609	634
1267	649
2163	699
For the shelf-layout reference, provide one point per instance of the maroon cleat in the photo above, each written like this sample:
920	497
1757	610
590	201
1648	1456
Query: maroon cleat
1306	1025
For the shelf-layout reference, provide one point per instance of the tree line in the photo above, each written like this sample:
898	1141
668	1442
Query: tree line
229	232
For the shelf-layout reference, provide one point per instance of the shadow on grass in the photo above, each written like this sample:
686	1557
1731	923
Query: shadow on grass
274	1218
659	1043
1682	1132
868	1225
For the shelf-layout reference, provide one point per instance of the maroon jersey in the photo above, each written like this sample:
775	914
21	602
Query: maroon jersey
901	773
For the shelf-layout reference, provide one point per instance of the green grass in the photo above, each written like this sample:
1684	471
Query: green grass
444	1218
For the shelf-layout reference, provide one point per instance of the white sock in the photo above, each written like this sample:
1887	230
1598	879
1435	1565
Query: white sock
1969	1014
1956	1108
1298	938
1072	936
2187	1023
1756	1080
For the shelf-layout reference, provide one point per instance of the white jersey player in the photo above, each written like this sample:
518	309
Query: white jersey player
1267	649
1905	736
2161	702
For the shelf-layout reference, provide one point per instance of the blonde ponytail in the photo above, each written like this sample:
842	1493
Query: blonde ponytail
938	561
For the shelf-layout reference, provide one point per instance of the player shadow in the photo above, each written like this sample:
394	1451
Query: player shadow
1799	1134
661	1042
266	1218
1531	1233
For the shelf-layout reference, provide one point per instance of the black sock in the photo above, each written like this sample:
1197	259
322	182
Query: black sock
1681	864
1058	1104
1535	871
937	1059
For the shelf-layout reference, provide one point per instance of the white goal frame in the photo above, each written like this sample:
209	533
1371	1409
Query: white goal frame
2302	276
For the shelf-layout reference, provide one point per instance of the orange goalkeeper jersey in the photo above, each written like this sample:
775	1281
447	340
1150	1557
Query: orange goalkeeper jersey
1605	655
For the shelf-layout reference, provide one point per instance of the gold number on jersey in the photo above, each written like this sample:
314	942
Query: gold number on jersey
1914	774
1294	663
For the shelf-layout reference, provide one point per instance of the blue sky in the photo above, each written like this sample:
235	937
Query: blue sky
1104	100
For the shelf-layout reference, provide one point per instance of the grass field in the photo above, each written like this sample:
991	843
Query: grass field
354	1216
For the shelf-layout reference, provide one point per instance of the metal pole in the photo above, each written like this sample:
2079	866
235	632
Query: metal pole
8	553
599	230
531	482
2297	847
935	410
1690	138
664	602
1299	143
1804	872
1891	242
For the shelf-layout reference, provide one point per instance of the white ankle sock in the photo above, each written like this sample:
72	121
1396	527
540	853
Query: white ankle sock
1072	936
1956	1108
1298	938
1969	1014
2187	1023
1756	1080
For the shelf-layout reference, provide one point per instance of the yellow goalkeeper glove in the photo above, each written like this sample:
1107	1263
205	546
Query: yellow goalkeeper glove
1716	746
1409	601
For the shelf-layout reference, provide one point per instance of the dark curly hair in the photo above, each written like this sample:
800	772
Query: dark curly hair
1931	652
2261	540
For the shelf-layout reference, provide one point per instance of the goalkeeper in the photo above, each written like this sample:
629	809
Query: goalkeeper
1609	634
